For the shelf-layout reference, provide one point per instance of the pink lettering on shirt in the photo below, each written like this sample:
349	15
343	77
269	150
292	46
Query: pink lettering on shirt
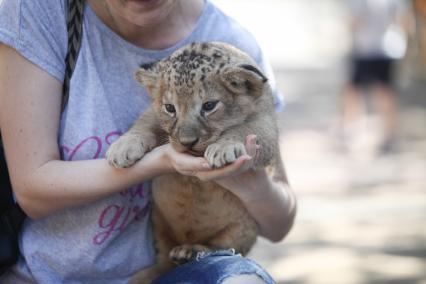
114	218
89	148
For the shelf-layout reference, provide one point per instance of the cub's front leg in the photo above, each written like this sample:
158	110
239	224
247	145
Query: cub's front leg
224	152
231	144
135	143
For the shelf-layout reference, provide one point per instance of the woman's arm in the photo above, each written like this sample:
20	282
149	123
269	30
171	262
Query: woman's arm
269	199
30	102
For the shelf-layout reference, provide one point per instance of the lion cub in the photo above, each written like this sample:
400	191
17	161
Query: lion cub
207	97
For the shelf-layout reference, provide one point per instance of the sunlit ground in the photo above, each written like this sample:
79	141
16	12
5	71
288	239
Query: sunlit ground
362	215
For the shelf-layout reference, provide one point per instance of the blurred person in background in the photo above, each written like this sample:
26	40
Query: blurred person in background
378	41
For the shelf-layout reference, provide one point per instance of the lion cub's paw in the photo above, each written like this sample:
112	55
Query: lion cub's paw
126	151
184	253
220	154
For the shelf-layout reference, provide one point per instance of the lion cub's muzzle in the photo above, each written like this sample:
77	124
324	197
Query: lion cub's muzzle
188	142
187	139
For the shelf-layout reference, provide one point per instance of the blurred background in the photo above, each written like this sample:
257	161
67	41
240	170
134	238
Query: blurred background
356	160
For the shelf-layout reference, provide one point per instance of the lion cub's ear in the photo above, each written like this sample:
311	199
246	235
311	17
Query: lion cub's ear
244	79
147	76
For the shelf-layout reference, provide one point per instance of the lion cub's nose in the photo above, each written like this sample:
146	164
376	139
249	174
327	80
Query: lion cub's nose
188	142
188	136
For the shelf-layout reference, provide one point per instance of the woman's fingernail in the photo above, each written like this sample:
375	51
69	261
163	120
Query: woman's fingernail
206	166
250	138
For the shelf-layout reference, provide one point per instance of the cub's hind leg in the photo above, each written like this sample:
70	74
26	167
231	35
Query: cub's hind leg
240	235
184	253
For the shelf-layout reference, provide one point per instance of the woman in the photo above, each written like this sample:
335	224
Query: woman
88	222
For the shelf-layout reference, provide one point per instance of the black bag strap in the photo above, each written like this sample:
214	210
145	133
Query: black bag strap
75	36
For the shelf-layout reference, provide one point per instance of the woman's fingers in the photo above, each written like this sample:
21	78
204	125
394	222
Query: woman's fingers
198	166
251	145
186	162
240	165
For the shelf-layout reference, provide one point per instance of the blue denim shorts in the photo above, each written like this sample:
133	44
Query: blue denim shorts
213	268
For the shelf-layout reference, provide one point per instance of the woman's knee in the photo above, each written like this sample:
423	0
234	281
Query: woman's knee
218	267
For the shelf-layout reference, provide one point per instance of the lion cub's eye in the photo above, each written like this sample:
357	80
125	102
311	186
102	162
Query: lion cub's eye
209	106
170	108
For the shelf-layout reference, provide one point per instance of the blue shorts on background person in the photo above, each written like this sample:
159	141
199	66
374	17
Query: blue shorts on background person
367	71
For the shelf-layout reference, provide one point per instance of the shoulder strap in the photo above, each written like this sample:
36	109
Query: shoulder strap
75	35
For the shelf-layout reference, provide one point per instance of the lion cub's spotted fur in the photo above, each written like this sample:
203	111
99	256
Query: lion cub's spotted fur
207	97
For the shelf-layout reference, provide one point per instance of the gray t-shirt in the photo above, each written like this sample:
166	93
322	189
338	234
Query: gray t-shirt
109	240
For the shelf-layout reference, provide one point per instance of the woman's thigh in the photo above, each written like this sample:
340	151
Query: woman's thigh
214	268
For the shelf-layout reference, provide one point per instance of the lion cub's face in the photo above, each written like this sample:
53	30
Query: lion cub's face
202	90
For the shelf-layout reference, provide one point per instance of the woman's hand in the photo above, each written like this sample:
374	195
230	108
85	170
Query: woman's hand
189	165
230	172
